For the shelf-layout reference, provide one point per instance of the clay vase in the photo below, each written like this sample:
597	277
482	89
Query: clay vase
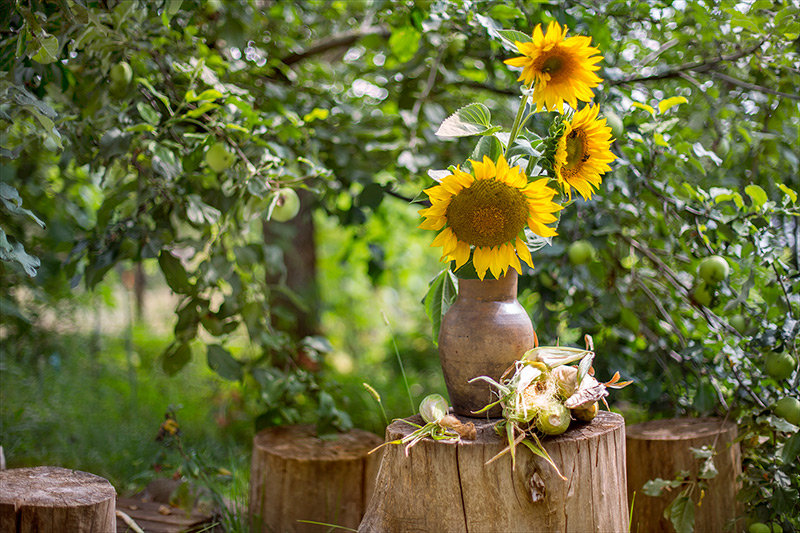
482	334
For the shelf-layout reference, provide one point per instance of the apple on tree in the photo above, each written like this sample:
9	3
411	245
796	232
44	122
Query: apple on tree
580	252
713	269
284	206
219	158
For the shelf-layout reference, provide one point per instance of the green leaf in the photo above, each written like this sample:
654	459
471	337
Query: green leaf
201	213
16	252
756	194
510	37
11	200
789	192
681	513
404	43
505	12
655	487
441	294
222	362
150	115
668	103
791	449
487	146
175	357
174	273
472	119
48	51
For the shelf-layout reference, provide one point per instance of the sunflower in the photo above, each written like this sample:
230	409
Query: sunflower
488	209
583	152
563	68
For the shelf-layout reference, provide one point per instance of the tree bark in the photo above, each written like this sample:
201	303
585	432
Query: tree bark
661	449
297	476
449	487
47	498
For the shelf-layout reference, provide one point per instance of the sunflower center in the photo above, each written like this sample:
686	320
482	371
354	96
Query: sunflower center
488	213
552	64
577	151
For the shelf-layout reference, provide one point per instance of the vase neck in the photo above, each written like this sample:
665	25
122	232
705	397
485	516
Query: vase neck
504	288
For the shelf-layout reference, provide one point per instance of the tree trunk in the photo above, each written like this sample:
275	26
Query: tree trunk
661	449
297	476
449	487
48	498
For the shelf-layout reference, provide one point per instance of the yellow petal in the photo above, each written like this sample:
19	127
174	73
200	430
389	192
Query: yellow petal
434	223
481	258
461	254
523	252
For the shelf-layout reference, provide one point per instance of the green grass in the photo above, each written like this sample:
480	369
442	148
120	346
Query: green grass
101	413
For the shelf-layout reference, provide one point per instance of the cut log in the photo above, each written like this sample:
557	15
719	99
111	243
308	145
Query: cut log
442	486
297	476
48	498
661	449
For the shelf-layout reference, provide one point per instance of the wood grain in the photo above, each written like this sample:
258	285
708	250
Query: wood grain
48	498
297	476
449	487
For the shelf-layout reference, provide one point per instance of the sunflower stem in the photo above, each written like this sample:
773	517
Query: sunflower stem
518	120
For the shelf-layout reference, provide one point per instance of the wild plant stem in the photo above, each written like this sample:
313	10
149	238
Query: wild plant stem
518	120
400	362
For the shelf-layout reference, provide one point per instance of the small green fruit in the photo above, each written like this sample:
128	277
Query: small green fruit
777	528
615	123
713	269
758	527
121	74
219	158
553	419
287	205
789	409
779	365
739	323
703	294
580	252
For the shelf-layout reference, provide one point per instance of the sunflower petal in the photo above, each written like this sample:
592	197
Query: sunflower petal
523	252
481	258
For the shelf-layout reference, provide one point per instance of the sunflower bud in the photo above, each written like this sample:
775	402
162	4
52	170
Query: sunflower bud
566	378
433	407
553	419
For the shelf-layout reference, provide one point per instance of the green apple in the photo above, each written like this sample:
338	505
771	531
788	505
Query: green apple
580	252
739	323
713	269
219	158
703	294
121	74
287	205
779	365
789	409
615	123
759	527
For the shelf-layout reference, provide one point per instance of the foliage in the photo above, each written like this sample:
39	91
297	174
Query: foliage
341	101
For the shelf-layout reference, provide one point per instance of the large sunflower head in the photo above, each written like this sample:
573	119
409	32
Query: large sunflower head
488	210
583	152
562	67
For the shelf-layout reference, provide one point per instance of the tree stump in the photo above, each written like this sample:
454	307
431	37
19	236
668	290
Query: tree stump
297	476
660	448
449	487
49	498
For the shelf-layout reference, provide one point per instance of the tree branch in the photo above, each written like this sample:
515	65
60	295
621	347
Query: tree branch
694	66
335	41
753	86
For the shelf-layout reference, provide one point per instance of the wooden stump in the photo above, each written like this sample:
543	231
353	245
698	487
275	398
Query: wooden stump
448	487
660	448
297	476
49	498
